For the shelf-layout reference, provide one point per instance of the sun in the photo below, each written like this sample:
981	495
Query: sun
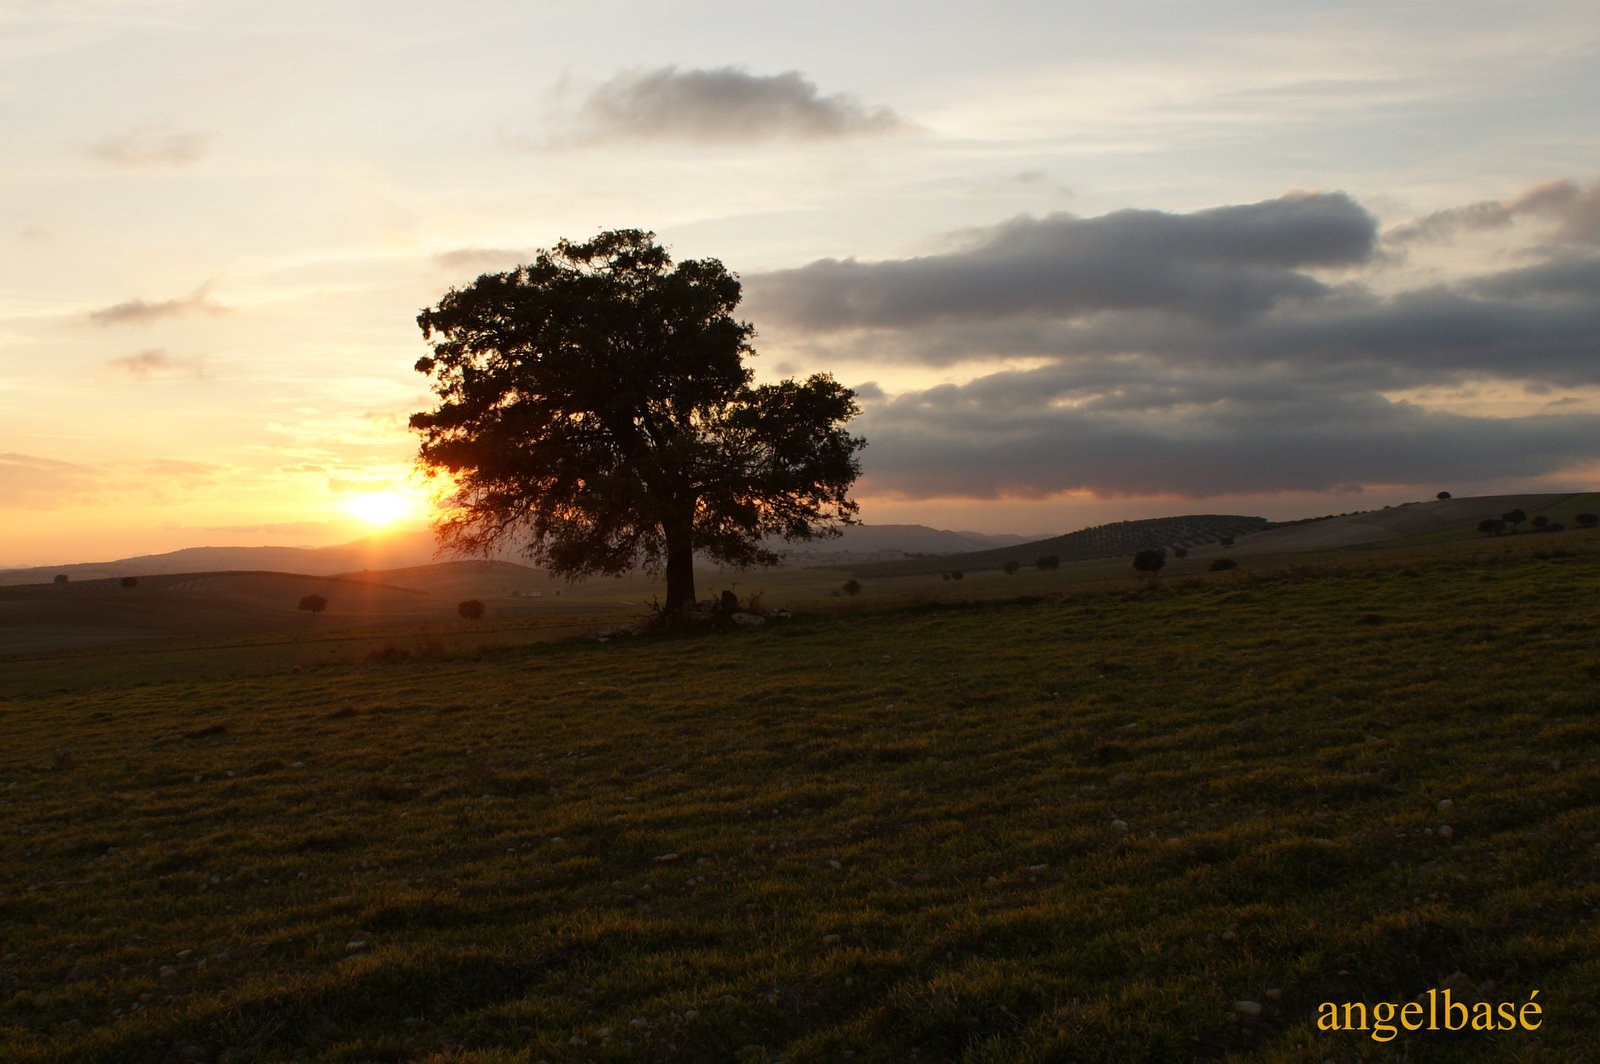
380	508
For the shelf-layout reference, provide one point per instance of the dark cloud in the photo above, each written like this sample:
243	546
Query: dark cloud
969	442
725	105
1221	265
142	312
157	361
1138	385
153	149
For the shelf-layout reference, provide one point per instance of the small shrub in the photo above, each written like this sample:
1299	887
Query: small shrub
130	581
471	610
61	580
1220	565
956	574
1180	552
851	587
1541	522
1049	561
1150	561
1442	496
1011	567
1587	520
313	604
1492	526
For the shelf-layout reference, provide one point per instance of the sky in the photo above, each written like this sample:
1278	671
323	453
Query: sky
1081	263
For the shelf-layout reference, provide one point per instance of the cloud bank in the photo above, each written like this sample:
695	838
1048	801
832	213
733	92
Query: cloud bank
1239	349
725	105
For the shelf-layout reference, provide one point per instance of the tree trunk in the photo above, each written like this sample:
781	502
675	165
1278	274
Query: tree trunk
680	565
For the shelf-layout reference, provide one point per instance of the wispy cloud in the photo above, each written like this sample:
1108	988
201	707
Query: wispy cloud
157	362
29	482
147	148
1576	212
482	260
143	312
724	105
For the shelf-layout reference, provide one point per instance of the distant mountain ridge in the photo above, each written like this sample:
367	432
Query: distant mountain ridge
399	550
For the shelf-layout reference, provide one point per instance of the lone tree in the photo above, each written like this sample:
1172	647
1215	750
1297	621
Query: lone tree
313	604
1011	567
595	411
471	610
1514	518
1492	526
1150	561
1443	496
1587	520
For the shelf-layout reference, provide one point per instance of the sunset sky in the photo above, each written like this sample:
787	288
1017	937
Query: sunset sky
1081	262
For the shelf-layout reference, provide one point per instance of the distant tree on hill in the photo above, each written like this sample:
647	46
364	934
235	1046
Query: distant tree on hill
313	604
1555	526
1442	496
471	610
852	587
1226	541
956	574
61	580
130	581
1541	522
1222	564
1514	518
1492	526
1150	561
1180	552
1049	561
1587	520
1011	567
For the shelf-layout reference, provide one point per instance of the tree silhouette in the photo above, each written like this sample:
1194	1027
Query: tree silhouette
852	587
1049	561
130	581
60	580
1011	567
1492	526
1150	561
1587	520
1541	522
1442	496
595	410
1514	518
313	604
471	610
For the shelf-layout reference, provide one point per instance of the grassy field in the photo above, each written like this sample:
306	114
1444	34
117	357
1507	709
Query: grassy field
1131	822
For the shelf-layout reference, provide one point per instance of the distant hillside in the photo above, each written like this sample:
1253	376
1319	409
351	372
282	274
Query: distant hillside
400	550
1101	541
865	543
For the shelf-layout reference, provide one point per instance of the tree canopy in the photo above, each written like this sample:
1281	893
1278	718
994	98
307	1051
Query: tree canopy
595	411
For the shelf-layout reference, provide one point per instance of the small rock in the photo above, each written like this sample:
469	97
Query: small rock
1445	805
829	939
1247	1008
748	620
168	973
1229	935
666	857
1446	832
1274	994
1119	825
354	947
690	1015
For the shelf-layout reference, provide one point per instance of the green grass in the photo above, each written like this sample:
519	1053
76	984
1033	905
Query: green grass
1072	826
